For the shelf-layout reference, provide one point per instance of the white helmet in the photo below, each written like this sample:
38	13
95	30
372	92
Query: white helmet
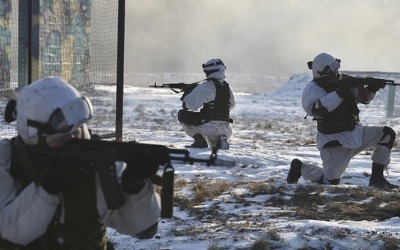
214	68
50	108
324	65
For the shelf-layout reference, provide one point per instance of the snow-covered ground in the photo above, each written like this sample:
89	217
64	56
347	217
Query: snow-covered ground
233	207
269	131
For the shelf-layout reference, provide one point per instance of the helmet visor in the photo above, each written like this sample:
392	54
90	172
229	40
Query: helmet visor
71	116
216	63
66	118
331	69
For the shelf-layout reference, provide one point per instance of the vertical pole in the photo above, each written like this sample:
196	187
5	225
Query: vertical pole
34	41
28	49
390	103
6	35
120	70
24	24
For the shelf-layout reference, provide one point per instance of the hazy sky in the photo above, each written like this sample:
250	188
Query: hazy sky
266	37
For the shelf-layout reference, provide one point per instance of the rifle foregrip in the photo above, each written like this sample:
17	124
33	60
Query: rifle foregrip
167	192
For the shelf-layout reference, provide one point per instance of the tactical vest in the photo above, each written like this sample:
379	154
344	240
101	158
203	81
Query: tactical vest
218	109
343	118
80	229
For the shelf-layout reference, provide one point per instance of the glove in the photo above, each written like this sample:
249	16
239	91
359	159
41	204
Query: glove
58	177
35	165
344	91
140	166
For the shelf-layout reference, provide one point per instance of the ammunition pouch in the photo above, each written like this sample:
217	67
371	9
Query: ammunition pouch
190	118
333	127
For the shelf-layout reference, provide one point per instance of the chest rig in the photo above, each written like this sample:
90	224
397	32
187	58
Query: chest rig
344	117
218	109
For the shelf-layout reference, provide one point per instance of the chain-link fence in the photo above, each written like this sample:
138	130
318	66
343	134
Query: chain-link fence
76	40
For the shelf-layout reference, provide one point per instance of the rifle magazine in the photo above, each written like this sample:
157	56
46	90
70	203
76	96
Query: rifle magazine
167	192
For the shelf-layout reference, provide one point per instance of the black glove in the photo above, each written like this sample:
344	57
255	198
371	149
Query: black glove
59	176
34	164
140	166
374	85
344	91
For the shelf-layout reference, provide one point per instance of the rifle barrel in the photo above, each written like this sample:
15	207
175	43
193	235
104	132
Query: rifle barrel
155	86
354	81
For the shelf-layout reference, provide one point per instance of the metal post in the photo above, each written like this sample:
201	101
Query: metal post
34	71
120	70
24	51
390	103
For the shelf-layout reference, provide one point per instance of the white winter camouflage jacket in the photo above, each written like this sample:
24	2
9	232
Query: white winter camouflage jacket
313	93
25	214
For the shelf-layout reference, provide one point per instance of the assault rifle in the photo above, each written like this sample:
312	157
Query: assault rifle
355	81
174	86
105	154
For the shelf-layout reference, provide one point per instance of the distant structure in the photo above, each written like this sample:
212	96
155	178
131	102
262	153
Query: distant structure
65	28
5	43
71	39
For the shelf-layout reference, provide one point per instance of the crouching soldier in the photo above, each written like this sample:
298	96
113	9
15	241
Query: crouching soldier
215	98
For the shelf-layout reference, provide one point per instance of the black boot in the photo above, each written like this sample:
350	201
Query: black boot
199	142
294	171
377	180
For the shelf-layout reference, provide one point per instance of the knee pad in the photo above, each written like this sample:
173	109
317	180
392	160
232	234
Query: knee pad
388	131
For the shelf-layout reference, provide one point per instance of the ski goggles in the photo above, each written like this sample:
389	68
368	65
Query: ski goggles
330	69
66	118
216	63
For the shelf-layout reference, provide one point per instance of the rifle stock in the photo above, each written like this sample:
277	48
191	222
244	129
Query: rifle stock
104	154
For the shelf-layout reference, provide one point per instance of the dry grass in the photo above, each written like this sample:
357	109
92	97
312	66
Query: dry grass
317	202
313	202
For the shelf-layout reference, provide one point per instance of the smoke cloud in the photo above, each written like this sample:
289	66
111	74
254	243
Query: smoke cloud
264	37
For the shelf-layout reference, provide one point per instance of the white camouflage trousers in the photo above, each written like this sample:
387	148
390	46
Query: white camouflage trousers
210	131
336	159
